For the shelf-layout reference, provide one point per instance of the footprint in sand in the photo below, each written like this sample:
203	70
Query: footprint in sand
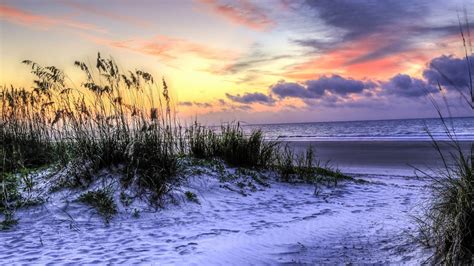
186	249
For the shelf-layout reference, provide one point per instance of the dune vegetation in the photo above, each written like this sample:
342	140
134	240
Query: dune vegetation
125	121
448	222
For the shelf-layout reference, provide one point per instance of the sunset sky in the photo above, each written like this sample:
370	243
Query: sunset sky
263	61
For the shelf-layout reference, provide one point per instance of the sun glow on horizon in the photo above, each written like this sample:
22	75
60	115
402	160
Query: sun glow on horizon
259	61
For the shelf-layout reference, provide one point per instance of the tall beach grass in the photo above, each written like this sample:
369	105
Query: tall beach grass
120	120
448	224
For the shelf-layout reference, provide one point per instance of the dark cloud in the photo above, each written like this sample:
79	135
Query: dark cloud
394	26
394	46
242	107
290	89
404	85
335	84
248	98
252	61
185	103
203	105
449	71
361	18
337	91
313	89
447	29
198	104
405	39
314	44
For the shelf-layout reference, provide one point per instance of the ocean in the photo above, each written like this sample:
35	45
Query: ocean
373	130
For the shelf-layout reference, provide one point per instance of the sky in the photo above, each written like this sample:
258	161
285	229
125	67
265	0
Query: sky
258	61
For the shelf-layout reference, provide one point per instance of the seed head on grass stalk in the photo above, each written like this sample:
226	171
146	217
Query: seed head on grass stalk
448	223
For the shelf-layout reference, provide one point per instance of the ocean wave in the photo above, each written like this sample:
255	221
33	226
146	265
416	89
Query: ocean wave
404	130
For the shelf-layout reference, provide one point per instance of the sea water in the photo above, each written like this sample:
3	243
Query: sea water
377	130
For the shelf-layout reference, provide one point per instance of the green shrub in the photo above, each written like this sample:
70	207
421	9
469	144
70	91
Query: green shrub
102	201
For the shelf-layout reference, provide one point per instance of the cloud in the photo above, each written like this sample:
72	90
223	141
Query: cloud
335	84
385	21
363	18
168	48
185	103
248	62
335	91
339	91
317	88
449	71
203	105
241	12
340	61
406	86
249	98
359	19
314	44
392	26
290	89
198	104
91	9
392	47
28	19
242	107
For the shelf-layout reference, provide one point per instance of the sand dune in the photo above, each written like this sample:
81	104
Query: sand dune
283	223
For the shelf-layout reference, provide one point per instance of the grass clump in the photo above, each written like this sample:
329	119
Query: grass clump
190	196
23	136
153	162
9	193
238	149
448	224
136	213
246	151
114	119
252	151
203	142
125	199
232	145
102	201
9	198
302	167
8	222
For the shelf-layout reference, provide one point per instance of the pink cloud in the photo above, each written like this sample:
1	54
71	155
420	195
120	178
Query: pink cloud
167	48
25	18
107	14
241	12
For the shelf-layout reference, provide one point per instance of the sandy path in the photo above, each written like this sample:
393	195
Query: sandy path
284	223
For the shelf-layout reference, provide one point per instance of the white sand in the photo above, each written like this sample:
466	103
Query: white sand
283	223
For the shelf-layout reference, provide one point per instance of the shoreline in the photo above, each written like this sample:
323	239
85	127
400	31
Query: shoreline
382	157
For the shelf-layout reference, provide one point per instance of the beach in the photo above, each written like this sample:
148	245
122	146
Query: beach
367	221
245	132
381	157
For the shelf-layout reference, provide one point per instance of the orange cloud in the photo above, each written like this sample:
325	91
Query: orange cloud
242	12
89	9
168	48
338	62
25	18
